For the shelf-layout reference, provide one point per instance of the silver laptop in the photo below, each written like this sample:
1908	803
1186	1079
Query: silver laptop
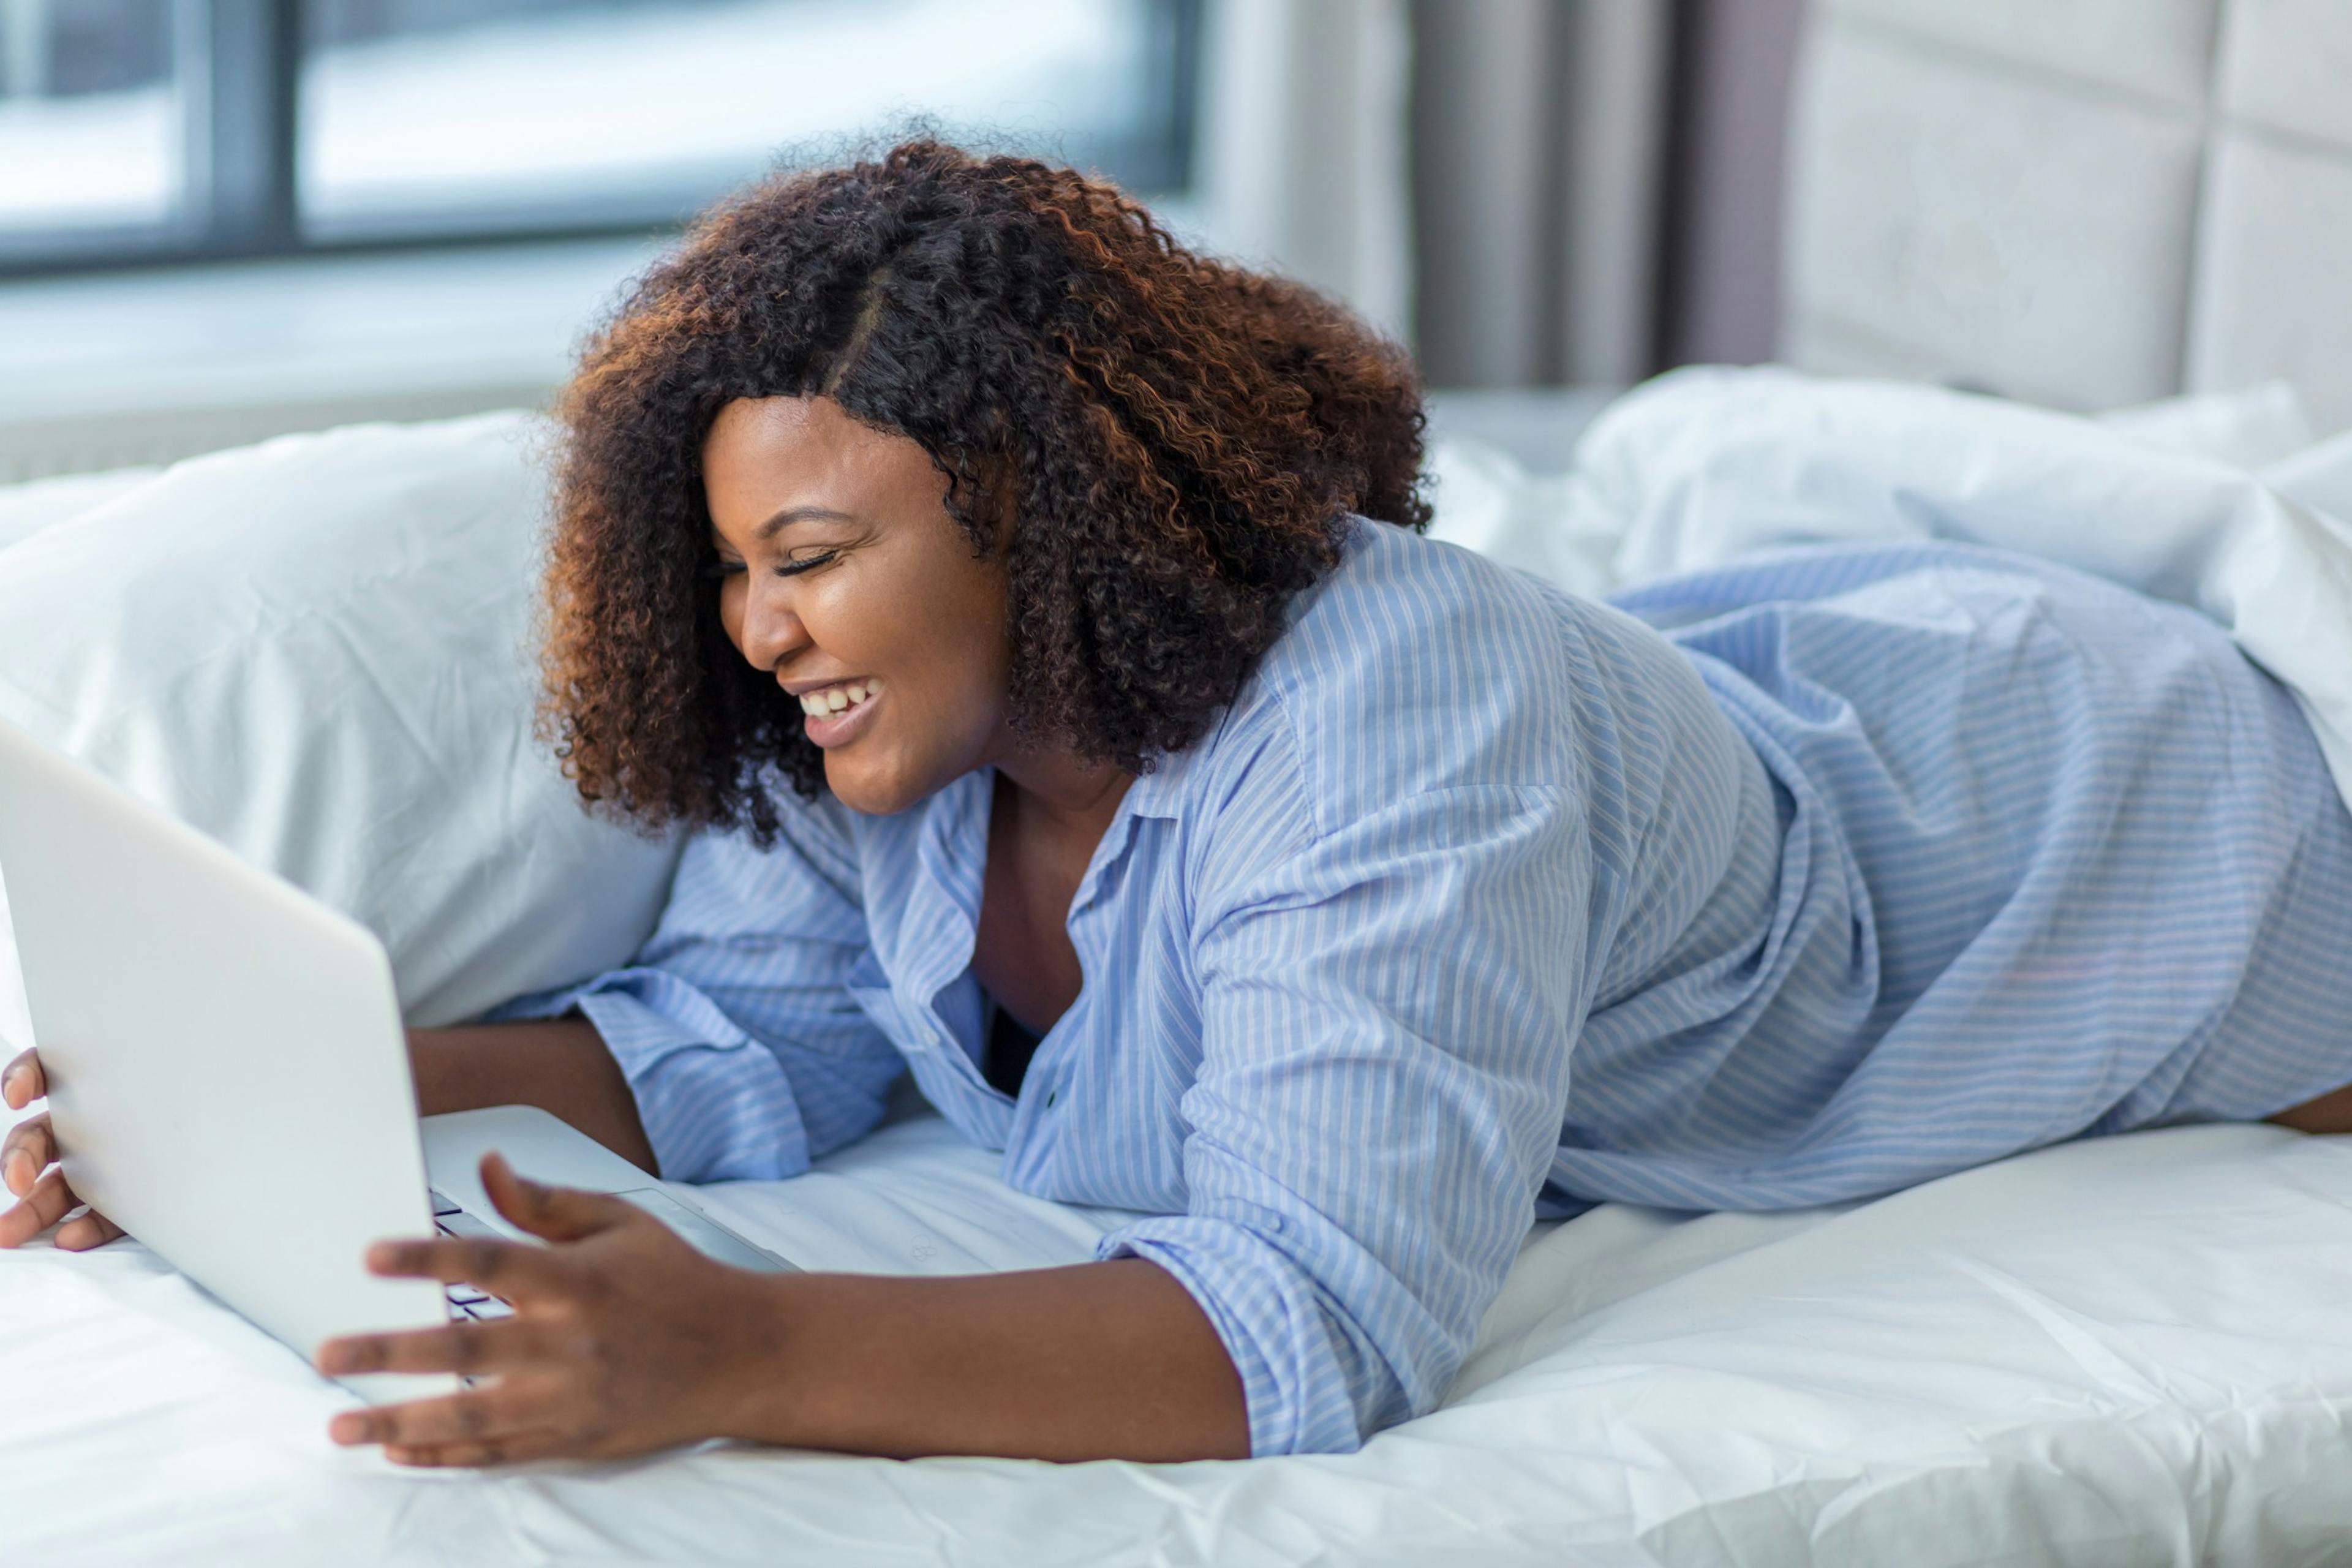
229	1081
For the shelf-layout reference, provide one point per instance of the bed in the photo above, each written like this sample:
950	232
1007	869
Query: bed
2130	1351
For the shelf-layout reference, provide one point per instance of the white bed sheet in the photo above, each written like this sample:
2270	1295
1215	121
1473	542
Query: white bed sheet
2135	1352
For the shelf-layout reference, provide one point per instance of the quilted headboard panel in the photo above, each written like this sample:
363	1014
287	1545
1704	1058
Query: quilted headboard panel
2085	203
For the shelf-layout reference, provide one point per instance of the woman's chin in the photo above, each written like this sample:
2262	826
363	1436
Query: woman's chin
873	791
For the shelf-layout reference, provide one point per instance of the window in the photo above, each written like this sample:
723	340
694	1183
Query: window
92	106
171	130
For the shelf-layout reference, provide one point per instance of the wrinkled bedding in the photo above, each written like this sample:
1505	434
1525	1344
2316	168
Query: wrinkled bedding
2129	1353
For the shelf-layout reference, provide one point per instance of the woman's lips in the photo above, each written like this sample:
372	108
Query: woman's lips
839	728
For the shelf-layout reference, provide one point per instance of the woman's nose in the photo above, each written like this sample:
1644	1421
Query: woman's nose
772	631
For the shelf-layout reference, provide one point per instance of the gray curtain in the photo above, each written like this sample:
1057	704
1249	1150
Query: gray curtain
1539	144
1301	160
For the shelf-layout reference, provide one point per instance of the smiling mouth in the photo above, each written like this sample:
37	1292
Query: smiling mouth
842	697
837	712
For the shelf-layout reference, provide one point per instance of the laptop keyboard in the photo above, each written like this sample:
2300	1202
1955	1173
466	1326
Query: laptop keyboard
465	1301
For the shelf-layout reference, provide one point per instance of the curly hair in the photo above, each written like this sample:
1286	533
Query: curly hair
1166	449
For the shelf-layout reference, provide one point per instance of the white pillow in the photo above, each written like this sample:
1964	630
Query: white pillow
27	509
2245	429
1484	499
1560	526
315	650
1703	464
2318	477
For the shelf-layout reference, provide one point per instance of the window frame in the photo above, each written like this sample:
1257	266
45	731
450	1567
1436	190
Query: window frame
240	64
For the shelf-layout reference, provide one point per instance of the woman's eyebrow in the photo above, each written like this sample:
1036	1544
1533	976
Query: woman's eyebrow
798	514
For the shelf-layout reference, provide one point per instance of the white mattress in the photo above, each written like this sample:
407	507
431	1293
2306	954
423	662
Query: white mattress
2134	1351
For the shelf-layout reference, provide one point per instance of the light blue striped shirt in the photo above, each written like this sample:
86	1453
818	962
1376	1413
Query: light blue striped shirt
1483	902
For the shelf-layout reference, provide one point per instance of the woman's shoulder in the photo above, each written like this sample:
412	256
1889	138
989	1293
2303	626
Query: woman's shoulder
1416	665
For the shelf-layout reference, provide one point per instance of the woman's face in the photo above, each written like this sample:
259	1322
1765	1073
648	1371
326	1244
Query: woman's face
843	576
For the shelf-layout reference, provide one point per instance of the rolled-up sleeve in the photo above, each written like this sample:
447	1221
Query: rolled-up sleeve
1388	1014
743	1046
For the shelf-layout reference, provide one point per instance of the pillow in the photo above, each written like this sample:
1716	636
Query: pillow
28	507
316	651
2244	429
1702	465
1484	499
2319	478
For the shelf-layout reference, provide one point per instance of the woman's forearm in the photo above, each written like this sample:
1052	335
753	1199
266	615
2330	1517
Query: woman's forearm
1111	1360
1095	1360
560	1065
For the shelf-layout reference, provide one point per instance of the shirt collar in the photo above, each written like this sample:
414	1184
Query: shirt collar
1161	792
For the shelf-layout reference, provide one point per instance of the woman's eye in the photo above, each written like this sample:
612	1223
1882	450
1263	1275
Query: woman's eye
805	563
722	568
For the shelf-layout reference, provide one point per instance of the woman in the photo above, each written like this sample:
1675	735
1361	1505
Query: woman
1034	620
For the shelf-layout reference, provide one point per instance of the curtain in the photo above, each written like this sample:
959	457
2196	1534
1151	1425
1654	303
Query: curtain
1539	151
1300	166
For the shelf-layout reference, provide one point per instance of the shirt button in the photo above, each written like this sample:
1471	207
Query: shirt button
1049	1097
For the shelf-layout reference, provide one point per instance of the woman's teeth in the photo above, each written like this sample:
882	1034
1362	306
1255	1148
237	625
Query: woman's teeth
838	699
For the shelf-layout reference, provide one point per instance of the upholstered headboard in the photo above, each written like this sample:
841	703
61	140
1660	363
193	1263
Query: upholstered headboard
2083	203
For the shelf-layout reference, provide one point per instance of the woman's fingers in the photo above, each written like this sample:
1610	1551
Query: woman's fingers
27	1155
84	1231
20	1222
28	1151
459	1347
49	1201
613	1335
477	1415
21	1082
511	1270
556	1214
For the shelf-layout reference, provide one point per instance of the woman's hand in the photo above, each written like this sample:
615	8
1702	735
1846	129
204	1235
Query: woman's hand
623	1337
28	1163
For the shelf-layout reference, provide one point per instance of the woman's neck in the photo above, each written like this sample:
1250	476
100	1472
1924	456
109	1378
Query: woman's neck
1064	793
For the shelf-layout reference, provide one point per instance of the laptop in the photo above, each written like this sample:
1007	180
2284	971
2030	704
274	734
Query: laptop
229	1082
